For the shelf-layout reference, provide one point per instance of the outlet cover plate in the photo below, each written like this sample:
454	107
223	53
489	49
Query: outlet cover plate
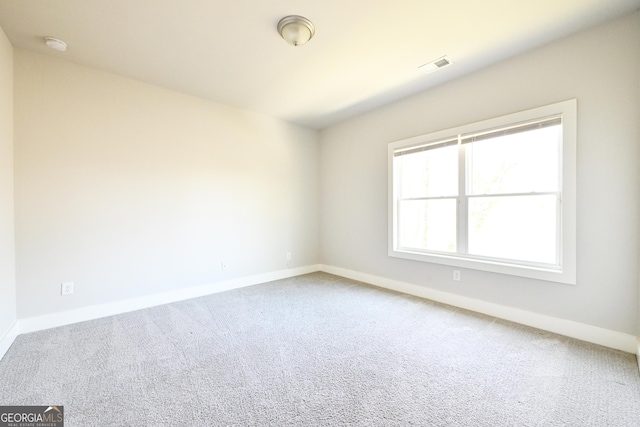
66	288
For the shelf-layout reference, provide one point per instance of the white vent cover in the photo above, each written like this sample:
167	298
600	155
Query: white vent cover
435	65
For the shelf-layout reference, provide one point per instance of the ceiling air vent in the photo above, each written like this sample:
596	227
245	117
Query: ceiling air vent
435	65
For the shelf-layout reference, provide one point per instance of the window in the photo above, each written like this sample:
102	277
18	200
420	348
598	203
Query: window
497	195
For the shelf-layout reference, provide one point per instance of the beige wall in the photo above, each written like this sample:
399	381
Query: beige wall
599	67
7	243
128	189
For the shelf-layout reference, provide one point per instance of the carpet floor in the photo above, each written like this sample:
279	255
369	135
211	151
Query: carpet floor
317	350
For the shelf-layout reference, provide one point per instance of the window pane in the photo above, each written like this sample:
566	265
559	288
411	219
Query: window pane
519	163
516	227
428	224
430	173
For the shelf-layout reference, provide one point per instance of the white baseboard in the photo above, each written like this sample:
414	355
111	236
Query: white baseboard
605	337
48	321
593	334
8	338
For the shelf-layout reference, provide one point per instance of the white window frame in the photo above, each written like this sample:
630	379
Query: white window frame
565	272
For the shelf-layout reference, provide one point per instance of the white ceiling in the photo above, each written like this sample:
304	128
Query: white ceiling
365	52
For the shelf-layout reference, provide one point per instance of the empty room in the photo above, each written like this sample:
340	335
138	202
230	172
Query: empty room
319	213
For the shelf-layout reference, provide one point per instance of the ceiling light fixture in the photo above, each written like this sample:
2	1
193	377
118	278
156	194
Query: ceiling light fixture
56	44
296	30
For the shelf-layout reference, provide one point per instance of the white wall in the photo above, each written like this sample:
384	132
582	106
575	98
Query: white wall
128	189
599	67
7	243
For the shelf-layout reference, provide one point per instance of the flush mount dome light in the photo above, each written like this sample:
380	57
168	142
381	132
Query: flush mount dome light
56	44
296	30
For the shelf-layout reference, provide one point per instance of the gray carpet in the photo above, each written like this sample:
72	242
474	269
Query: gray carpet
317	350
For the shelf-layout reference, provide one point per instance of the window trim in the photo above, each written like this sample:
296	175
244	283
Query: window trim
567	271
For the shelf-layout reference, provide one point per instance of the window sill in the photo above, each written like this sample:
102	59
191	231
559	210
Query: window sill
564	275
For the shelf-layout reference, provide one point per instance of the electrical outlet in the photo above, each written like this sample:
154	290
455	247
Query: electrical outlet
66	288
224	265
456	275
288	256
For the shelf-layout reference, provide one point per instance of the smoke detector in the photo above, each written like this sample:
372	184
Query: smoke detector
56	44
